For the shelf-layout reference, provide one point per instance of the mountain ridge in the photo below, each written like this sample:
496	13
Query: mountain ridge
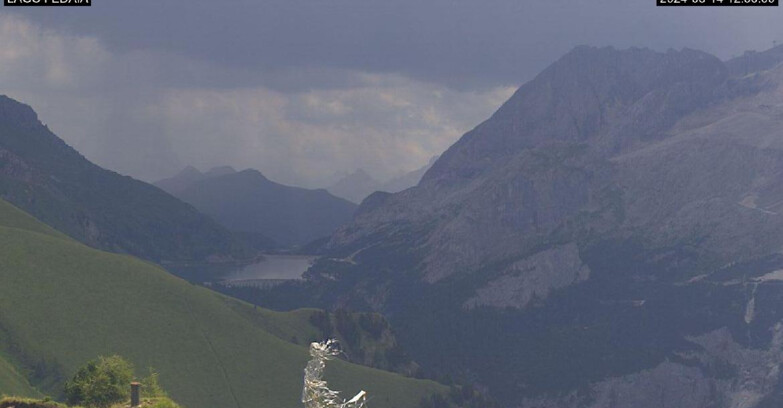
595	230
42	174
359	185
248	202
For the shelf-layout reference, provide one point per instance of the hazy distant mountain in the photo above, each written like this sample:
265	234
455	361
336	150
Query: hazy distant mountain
190	175
752	61
219	171
180	181
358	185
610	237
407	180
248	202
355	186
42	175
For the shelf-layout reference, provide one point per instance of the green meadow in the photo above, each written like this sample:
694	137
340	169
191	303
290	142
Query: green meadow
63	303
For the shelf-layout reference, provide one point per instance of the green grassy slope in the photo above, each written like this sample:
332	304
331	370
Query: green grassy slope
63	303
285	325
365	338
14	383
13	217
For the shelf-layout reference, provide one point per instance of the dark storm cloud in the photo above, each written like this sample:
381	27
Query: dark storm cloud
304	89
460	43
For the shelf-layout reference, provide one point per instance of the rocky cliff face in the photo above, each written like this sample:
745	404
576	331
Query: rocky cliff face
595	243
544	159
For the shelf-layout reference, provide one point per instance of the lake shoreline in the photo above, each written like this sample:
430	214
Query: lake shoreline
278	267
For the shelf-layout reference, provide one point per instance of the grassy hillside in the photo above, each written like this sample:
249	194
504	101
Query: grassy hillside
12	217
63	303
365	338
13	383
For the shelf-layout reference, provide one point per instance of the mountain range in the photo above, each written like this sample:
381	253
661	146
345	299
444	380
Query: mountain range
356	186
610	237
249	203
47	178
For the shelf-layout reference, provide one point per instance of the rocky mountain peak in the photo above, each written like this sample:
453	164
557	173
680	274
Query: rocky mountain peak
621	200
220	171
188	172
15	112
612	99
251	175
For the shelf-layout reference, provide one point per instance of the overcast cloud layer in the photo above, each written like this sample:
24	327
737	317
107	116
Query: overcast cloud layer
304	90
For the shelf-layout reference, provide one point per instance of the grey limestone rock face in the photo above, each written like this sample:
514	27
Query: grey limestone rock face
533	277
718	373
609	216
601	142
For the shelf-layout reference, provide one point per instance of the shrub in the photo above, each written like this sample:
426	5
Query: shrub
100	383
150	388
347	328
321	321
373	324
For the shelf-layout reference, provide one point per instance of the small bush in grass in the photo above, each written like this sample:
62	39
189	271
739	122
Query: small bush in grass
150	387
100	383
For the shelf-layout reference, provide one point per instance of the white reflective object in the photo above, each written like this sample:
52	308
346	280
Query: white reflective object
316	393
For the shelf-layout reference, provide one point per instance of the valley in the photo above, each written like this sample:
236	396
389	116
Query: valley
457	206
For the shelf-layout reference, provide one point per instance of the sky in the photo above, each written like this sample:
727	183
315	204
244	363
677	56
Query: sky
308	90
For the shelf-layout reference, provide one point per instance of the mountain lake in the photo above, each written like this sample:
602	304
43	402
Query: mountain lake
272	268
